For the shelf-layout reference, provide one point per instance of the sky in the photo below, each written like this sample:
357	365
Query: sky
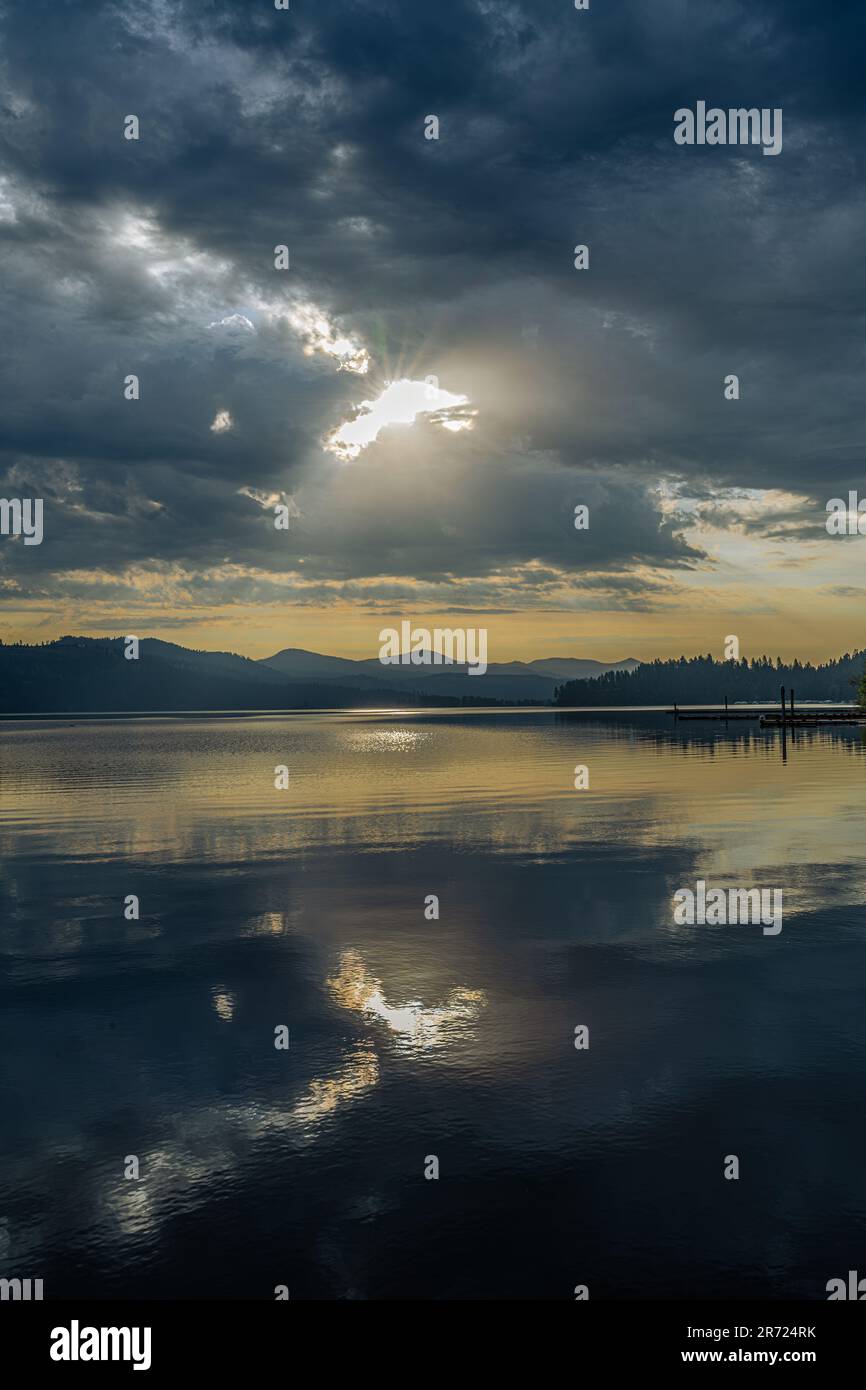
430	388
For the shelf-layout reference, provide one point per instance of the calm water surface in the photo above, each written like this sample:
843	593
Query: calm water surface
413	1037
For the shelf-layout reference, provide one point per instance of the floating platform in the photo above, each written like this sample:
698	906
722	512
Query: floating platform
770	717
713	714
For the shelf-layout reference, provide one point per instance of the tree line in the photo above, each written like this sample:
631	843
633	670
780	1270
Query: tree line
697	680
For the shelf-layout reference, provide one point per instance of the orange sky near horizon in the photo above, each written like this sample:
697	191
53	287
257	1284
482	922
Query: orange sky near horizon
786	623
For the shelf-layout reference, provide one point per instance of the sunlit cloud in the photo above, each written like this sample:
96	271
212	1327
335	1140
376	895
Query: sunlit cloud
401	403
175	263
321	336
235	322
268	500
222	422
136	231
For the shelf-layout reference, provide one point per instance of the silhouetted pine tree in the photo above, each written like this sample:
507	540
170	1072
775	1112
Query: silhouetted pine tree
699	680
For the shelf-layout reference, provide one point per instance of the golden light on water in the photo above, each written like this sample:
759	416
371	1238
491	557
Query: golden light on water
224	1005
416	1026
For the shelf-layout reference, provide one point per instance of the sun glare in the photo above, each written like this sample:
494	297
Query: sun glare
401	403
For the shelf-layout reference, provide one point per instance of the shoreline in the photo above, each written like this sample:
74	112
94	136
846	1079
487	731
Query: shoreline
388	711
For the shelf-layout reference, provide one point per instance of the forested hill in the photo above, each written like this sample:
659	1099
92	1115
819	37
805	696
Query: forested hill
91	675
702	680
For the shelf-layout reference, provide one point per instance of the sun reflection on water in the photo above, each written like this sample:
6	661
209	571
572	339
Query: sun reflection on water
417	1027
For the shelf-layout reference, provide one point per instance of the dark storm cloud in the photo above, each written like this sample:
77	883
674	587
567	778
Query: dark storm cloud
451	257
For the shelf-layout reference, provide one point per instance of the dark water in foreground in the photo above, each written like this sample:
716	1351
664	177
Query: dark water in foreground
411	1037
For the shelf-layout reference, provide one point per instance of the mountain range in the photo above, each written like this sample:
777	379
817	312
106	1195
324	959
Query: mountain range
91	675
511	680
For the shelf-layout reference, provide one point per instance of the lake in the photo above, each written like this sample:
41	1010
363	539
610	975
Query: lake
418	1040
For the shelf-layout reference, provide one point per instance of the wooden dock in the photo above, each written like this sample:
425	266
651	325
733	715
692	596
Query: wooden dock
711	712
781	716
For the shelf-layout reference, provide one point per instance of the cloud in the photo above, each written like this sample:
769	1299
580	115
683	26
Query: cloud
400	403
235	322
414	258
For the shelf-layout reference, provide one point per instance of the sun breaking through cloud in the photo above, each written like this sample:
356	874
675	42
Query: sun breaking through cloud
401	403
